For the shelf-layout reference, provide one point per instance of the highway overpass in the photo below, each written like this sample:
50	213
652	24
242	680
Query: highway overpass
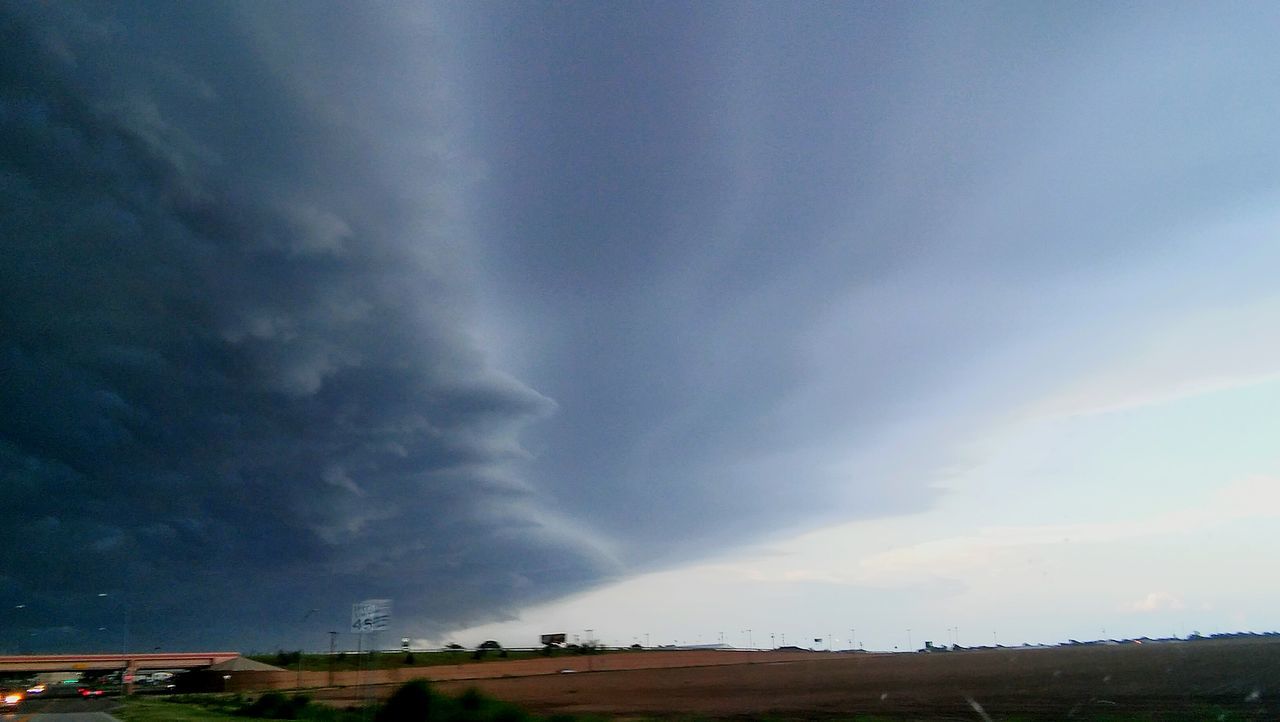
130	663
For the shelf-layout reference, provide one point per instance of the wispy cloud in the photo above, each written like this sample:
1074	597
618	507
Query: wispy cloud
1156	602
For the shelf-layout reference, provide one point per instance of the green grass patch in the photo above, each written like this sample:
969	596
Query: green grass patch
413	702
142	709
207	708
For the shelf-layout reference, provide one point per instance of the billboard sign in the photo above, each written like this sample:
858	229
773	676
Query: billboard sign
371	615
553	639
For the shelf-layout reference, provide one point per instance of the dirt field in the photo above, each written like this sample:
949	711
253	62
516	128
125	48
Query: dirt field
1189	680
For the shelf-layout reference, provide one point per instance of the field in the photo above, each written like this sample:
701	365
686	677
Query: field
1209	679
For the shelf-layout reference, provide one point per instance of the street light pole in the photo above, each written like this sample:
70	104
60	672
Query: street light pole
124	609
333	641
18	635
305	617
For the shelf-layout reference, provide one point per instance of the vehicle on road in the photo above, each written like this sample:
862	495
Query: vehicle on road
10	699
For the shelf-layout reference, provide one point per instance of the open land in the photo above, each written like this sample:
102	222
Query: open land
1203	679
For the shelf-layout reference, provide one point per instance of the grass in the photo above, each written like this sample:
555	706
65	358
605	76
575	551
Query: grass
413	702
141	709
211	708
416	702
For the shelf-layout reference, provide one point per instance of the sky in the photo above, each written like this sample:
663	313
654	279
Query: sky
869	323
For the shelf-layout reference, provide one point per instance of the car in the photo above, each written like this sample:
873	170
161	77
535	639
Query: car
90	692
10	699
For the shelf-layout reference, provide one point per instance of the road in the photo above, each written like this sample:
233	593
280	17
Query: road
62	710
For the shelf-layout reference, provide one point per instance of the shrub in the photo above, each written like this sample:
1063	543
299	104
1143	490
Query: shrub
284	659
510	713
471	699
274	705
410	703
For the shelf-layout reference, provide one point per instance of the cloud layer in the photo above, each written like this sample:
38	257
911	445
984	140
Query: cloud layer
308	303
236	371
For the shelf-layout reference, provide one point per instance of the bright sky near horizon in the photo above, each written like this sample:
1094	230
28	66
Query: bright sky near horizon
1162	521
665	319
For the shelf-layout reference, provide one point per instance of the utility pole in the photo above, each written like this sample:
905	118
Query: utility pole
333	641
305	617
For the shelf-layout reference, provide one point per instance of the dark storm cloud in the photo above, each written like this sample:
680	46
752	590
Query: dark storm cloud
476	305
235	371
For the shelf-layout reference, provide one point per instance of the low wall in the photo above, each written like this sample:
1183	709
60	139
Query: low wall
258	681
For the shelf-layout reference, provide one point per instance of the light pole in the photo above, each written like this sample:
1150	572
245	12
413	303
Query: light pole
18	635
333	641
124	608
305	617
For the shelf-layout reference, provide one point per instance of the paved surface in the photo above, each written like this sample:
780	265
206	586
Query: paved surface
62	710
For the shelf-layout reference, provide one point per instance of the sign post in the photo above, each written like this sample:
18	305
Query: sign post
371	615
368	617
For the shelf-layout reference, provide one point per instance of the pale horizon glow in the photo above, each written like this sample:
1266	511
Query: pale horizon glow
935	572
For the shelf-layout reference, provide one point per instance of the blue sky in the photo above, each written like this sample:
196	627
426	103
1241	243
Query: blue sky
657	318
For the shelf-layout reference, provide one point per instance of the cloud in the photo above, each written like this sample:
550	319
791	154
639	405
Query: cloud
838	555
1156	602
306	303
237	378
